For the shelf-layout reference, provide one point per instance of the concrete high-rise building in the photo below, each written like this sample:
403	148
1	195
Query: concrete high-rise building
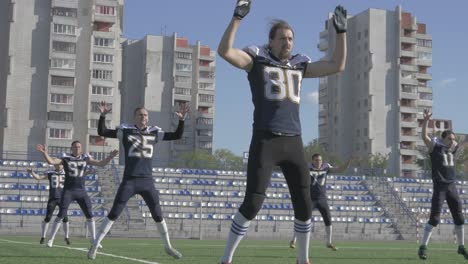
58	59
159	73
375	106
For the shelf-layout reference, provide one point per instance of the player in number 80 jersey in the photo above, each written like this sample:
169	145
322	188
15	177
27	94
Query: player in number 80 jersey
74	165
138	141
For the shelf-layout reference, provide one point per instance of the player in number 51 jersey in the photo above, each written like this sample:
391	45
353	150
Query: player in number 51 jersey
74	164
138	141
441	152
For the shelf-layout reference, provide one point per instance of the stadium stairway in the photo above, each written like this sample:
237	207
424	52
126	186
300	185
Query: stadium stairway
403	220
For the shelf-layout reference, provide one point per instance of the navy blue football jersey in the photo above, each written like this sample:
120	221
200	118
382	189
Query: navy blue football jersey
56	181
75	168
139	148
318	180
276	91
442	161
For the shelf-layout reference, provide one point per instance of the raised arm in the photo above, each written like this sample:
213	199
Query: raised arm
35	175
236	57
343	167
427	140
51	160
337	61
103	131
105	161
182	113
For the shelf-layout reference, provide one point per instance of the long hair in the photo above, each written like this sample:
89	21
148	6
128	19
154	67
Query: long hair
275	25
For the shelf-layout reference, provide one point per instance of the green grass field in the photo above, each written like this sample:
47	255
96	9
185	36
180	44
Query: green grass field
27	250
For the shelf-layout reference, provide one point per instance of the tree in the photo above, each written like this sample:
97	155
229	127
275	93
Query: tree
198	159
227	160
314	147
374	164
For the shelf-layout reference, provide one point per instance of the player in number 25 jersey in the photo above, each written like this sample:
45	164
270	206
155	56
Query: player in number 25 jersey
138	141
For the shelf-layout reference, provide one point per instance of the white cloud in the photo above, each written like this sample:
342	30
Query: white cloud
311	98
447	82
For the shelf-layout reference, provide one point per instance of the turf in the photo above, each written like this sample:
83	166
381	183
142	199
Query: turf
27	250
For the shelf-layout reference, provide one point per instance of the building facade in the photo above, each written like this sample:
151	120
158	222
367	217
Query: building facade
375	106
159	73
58	59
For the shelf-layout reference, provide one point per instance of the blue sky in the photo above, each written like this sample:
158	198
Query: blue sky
206	20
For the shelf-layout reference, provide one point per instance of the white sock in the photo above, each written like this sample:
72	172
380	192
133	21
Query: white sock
66	229
55	228
302	230
329	233
294	237
460	233
427	234
162	228
239	227
103	230
91	229
45	226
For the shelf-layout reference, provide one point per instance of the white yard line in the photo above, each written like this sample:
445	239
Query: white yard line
85	250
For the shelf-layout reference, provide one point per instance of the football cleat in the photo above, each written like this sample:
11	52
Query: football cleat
92	252
42	240
297	262
332	247
462	251
422	252
50	243
173	252
67	240
292	244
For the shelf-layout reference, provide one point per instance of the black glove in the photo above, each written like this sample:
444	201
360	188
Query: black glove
242	8
340	21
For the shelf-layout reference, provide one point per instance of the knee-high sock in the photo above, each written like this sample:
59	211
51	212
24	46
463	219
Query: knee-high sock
103	230
460	233
427	234
239	227
302	230
91	229
329	233
55	228
45	226
66	229
162	228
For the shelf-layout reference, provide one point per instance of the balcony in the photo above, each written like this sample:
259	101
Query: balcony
323	45
423	76
409	81
410	40
409	152
408	166
65	3
105	18
407	53
208	58
411	96
409	67
411	138
411	124
425	103
424	89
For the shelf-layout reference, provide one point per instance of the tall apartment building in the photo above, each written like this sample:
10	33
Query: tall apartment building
58	59
159	73
376	104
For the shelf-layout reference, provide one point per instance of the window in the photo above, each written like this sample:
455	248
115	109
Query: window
97	141
206	98
102	26
425	96
63	11
207	74
64	29
205	86
104	58
99	155
424	55
359	35
183	79
184	67
102	74
184	55
105	10
93	123
95	107
55	150
425	43
205	121
61	98
103	42
60	116
206	144
62	81
66	47
366	33
183	91
61	133
102	90
358	132
204	109
62	63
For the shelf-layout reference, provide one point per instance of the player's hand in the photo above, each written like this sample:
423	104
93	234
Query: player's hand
113	153
183	110
426	114
242	8
104	108
41	148
340	20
